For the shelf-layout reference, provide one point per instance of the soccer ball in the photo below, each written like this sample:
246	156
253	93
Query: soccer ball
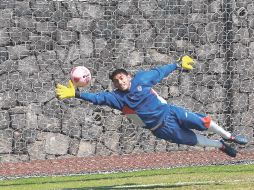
80	76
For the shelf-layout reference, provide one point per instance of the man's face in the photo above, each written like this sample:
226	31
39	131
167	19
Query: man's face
122	82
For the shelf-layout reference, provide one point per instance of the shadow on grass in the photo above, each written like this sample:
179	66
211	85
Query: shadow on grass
107	178
138	186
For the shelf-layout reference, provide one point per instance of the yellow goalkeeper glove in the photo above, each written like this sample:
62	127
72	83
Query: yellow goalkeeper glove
185	62
63	92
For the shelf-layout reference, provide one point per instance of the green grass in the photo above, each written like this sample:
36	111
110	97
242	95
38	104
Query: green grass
207	177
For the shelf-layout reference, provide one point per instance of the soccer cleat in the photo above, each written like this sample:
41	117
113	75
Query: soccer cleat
239	139
228	149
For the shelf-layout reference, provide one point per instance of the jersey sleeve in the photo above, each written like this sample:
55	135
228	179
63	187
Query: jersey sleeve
102	98
156	74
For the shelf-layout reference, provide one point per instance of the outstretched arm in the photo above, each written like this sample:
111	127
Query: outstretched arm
155	75
102	98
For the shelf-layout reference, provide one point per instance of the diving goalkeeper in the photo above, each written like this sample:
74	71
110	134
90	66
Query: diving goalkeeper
165	121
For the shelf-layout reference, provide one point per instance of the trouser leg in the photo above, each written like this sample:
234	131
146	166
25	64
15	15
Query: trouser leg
219	130
206	142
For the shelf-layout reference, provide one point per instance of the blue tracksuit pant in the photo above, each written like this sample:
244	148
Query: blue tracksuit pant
178	124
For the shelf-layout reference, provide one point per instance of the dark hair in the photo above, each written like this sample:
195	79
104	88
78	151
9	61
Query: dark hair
116	72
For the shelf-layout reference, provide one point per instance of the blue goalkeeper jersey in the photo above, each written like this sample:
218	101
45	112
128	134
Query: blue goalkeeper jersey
141	99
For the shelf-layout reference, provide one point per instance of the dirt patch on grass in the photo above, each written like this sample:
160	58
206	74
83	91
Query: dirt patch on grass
97	164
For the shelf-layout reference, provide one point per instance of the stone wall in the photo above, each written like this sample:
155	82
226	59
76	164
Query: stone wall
40	41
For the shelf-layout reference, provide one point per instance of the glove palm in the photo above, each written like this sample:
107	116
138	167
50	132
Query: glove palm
186	62
64	92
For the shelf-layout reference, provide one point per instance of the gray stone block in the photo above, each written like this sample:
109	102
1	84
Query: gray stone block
212	30
102	150
86	148
216	65
239	21
215	107
4	37
126	8
22	8
46	58
71	127
147	8
251	102
208	80
14	158
161	145
251	48
86	46
42	10
18	121
28	65
186	84
7	100
91	132
240	51
6	18
174	91
247	86
105	29
18	52
163	43
27	23
29	135
111	140
19	145
92	10
187	103
247	119
80	25
17	83
74	146
54	109
49	124
46	28
65	37
5	119
245	68
26	97
36	150
208	51
112	122
18	35
56	144
10	4
153	56
4	54
240	102
39	43
242	35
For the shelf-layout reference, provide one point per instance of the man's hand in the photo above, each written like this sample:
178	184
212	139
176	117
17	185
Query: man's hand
63	92
186	62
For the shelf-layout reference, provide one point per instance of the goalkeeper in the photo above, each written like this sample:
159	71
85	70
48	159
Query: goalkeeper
165	121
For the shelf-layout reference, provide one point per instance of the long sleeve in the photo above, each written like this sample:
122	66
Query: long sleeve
156	74
102	98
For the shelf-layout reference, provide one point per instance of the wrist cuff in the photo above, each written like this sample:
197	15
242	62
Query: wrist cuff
178	65
77	94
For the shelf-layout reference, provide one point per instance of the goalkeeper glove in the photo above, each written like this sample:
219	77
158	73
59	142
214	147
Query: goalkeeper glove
185	62
64	92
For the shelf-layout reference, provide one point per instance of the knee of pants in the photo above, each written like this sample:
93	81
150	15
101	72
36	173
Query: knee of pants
177	135
192	120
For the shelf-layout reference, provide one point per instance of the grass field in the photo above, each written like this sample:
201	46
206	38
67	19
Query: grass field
205	177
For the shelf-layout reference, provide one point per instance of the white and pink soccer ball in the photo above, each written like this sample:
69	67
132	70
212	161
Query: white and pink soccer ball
80	76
